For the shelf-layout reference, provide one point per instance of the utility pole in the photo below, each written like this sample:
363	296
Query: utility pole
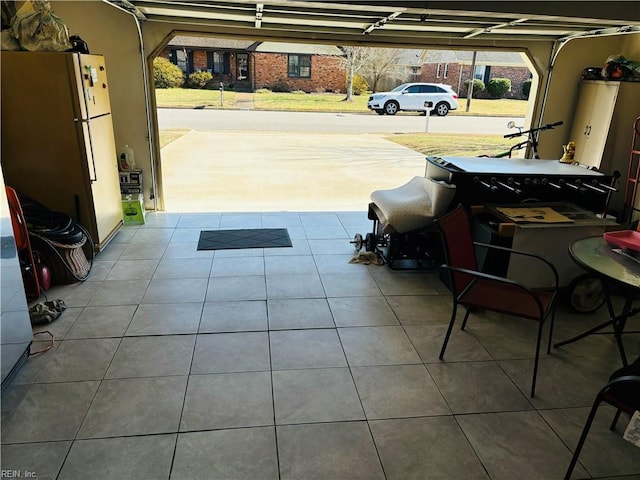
471	79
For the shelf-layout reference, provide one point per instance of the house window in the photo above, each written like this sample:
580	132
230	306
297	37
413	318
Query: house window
299	66
445	74
214	62
438	70
182	59
218	63
479	72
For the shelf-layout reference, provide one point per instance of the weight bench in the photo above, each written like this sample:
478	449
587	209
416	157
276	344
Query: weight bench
402	220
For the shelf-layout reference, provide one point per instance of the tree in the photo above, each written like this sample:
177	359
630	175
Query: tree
382	62
355	58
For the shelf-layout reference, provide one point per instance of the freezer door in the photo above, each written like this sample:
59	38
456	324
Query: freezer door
93	88
105	182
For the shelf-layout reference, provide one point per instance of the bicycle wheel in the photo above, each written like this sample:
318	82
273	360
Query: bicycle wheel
586	293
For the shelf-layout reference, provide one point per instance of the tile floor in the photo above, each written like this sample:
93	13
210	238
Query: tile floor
292	363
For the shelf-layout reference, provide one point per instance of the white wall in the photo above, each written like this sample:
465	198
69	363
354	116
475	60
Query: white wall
565	78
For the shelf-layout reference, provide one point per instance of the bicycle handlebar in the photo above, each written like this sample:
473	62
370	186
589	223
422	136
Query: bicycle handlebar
548	126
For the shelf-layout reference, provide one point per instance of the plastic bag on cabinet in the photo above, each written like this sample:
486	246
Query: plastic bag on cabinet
38	29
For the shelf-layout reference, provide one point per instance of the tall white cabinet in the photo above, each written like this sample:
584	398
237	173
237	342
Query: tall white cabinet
592	120
603	128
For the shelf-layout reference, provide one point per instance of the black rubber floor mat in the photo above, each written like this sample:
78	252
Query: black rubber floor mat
247	238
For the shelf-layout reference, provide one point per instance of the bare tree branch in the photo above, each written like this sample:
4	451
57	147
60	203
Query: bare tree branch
355	58
382	62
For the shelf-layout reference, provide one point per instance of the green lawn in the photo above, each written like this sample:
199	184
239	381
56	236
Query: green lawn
320	102
168	136
492	108
309	102
451	145
193	98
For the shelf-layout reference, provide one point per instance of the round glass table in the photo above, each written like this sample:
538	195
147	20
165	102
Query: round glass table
613	266
597	256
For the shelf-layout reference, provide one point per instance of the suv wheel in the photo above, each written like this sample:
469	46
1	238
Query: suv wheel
441	109
391	108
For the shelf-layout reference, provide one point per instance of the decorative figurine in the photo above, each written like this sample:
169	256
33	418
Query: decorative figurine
569	151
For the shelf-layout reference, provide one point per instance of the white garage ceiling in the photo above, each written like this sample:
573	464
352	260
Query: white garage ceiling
386	22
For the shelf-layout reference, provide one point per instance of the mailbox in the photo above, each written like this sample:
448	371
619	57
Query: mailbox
428	106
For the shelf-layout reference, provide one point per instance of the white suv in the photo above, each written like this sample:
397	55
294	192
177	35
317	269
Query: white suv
411	97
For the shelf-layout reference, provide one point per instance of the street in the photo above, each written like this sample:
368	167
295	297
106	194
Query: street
317	122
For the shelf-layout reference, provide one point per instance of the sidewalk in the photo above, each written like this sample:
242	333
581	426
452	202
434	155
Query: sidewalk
243	101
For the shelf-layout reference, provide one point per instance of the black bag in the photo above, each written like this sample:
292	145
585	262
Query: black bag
78	45
592	73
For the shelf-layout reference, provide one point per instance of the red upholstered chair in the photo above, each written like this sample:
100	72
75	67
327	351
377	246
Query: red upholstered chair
475	290
623	392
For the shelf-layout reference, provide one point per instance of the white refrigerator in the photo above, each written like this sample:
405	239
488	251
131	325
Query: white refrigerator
57	137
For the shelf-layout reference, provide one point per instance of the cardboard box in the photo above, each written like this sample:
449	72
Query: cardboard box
133	211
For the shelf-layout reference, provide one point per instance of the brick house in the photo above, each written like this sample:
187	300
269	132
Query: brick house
247	66
224	59
453	67
406	70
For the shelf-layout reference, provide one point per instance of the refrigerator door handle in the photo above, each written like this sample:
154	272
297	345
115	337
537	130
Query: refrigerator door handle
93	176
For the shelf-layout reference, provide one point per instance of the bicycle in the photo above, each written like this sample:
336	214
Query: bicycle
532	140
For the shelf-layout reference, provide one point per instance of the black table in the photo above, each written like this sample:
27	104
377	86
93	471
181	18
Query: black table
596	256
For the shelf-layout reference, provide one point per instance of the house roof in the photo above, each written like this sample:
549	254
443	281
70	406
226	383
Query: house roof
482	58
411	57
278	47
209	42
271	47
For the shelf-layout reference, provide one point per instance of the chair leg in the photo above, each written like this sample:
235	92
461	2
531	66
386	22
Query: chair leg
615	419
583	437
466	317
553	319
448	334
535	363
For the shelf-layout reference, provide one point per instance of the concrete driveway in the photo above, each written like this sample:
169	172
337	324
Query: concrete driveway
251	161
260	172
